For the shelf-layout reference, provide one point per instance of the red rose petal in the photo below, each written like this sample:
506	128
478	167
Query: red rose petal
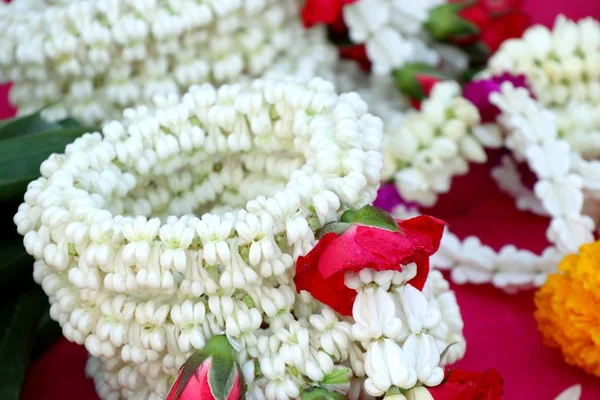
508	26
323	11
425	232
427	82
320	12
478	15
307	266
501	6
346	254
463	385
422	261
328	290
357	53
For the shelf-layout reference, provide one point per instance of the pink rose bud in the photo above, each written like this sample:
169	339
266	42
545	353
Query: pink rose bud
209	374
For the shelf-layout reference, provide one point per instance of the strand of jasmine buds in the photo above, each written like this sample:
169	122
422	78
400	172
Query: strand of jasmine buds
508	179
401	328
435	144
104	56
532	136
148	292
392	32
561	66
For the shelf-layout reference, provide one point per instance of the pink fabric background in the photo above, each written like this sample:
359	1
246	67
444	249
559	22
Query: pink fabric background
500	328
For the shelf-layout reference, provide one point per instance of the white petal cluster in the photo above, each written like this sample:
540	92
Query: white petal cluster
436	143
392	31
403	330
134	275
92	58
561	65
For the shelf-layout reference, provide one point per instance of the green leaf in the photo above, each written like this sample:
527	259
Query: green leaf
445	23
478	53
348	215
69	123
337	377
406	80
26	125
321	394
221	377
446	351
373	216
18	321
20	158
47	333
15	263
335	227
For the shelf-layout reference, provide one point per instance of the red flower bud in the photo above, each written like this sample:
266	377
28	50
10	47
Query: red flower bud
210	374
416	81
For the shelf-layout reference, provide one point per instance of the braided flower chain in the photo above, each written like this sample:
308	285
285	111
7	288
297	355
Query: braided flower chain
91	59
532	136
136	277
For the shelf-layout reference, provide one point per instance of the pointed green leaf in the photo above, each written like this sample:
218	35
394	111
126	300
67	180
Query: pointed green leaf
335	227
69	123
339	376
18	320
15	263
20	158
26	125
373	216
447	375
348	215
321	394
189	369
221	377
406	81
445	22
48	332
446	351
478	53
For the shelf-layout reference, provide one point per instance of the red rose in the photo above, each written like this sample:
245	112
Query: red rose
463	385
467	22
496	20
321	272
500	29
323	12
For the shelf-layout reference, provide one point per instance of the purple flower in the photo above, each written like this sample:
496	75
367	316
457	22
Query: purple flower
388	198
478	93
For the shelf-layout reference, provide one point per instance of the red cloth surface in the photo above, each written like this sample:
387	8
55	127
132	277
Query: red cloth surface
500	328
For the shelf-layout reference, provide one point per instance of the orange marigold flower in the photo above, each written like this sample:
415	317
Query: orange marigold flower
567	309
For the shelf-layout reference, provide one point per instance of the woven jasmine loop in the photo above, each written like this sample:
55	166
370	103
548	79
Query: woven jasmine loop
532	136
91	59
134	275
436	143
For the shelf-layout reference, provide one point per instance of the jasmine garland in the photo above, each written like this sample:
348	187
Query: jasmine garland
142	282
